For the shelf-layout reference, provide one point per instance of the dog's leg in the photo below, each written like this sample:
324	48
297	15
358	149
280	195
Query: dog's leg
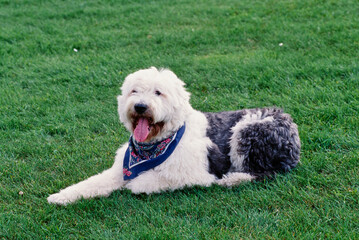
99	185
235	178
153	182
148	182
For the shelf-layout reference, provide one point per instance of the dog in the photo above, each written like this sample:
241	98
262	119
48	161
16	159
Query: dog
173	146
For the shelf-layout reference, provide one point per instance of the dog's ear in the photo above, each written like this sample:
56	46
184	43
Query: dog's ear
119	99
181	97
176	85
119	104
122	111
182	93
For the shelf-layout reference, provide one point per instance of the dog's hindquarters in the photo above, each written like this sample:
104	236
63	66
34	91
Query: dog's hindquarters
259	142
265	141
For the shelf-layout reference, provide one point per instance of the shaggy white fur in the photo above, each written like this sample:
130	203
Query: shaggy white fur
168	103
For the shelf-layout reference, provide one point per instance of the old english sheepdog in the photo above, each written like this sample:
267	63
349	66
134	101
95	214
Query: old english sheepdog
173	146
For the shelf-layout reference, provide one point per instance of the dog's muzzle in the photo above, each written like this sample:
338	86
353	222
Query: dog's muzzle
140	108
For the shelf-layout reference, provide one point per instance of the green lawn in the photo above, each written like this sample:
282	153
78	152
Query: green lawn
61	67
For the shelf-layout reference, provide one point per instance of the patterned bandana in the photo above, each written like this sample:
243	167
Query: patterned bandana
141	157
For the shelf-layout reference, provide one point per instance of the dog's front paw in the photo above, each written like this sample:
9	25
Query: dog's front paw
60	199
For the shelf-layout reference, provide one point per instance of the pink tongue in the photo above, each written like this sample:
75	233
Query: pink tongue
142	130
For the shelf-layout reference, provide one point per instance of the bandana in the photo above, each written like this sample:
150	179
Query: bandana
141	157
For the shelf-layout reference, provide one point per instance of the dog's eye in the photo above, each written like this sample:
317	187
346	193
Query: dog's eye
158	93
133	91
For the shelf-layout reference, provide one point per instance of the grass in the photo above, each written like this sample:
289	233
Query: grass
58	120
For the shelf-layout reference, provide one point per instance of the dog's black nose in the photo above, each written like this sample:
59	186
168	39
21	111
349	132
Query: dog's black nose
140	108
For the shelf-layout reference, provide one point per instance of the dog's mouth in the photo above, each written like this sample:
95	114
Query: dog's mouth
144	129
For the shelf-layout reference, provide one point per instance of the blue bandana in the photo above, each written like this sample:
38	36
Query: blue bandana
141	157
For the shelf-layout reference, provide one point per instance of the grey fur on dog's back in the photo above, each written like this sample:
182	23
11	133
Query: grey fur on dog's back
268	144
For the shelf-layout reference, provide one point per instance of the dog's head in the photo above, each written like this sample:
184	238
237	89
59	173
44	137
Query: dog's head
153	104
